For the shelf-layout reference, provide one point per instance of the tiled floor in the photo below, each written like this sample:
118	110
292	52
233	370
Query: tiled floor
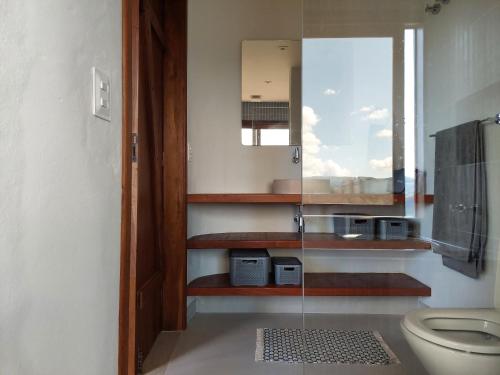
157	360
225	344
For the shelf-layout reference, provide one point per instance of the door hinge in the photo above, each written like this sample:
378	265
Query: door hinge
140	361
134	147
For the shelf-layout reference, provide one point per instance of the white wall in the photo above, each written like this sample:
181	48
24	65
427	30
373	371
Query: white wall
59	188
462	83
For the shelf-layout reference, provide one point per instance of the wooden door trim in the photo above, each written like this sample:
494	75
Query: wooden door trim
155	22
130	87
175	166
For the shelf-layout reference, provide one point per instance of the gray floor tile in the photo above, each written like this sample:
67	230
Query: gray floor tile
225	344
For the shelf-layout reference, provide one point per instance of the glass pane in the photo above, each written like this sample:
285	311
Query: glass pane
348	111
410	54
400	168
352	134
277	137
223	336
246	137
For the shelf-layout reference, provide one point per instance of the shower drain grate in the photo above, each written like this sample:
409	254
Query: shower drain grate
323	346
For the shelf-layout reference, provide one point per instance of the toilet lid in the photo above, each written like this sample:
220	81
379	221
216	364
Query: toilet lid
432	325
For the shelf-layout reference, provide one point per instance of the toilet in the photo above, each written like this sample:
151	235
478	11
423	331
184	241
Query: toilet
455	341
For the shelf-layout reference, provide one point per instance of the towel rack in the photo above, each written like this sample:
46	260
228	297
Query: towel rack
489	120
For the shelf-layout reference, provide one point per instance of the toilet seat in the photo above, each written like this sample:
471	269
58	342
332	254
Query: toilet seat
427	324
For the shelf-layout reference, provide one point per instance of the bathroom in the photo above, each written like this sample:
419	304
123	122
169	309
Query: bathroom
250	187
399	73
396	73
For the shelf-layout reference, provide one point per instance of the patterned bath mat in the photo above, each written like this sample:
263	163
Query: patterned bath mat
323	346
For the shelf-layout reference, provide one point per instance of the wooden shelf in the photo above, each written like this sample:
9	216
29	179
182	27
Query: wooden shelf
354	199
306	199
334	241
427	199
318	284
246	198
293	240
246	240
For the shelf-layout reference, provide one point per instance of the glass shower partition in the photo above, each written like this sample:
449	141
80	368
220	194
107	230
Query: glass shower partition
358	181
380	78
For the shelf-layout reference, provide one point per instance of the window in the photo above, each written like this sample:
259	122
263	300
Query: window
265	137
358	105
348	107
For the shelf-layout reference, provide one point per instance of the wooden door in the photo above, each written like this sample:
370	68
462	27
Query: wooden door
153	248
147	202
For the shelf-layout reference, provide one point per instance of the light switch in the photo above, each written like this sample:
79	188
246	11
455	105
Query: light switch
101	94
189	152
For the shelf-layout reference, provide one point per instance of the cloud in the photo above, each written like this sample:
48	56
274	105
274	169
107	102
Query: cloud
310	143
385	133
378	114
372	113
309	117
381	164
315	167
367	109
329	92
313	164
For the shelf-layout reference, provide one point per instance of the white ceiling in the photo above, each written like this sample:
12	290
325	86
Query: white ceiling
268	60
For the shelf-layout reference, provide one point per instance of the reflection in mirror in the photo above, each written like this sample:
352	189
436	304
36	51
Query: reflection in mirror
271	92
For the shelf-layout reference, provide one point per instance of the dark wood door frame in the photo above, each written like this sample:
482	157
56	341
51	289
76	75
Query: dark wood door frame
175	172
130	103
175	165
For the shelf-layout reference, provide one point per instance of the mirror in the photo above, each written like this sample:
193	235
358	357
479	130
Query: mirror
271	92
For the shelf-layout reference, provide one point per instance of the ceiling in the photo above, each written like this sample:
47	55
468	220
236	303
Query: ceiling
266	67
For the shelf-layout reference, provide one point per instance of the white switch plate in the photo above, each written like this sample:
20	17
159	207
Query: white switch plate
101	92
189	152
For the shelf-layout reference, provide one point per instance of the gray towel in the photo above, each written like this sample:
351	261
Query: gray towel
460	222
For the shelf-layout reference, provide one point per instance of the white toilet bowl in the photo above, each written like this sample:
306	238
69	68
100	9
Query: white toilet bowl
455	341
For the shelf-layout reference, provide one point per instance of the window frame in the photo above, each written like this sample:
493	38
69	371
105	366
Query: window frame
397	33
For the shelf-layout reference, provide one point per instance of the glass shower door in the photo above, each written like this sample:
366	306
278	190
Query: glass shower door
359	183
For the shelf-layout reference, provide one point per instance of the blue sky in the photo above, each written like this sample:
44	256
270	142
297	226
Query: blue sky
347	100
